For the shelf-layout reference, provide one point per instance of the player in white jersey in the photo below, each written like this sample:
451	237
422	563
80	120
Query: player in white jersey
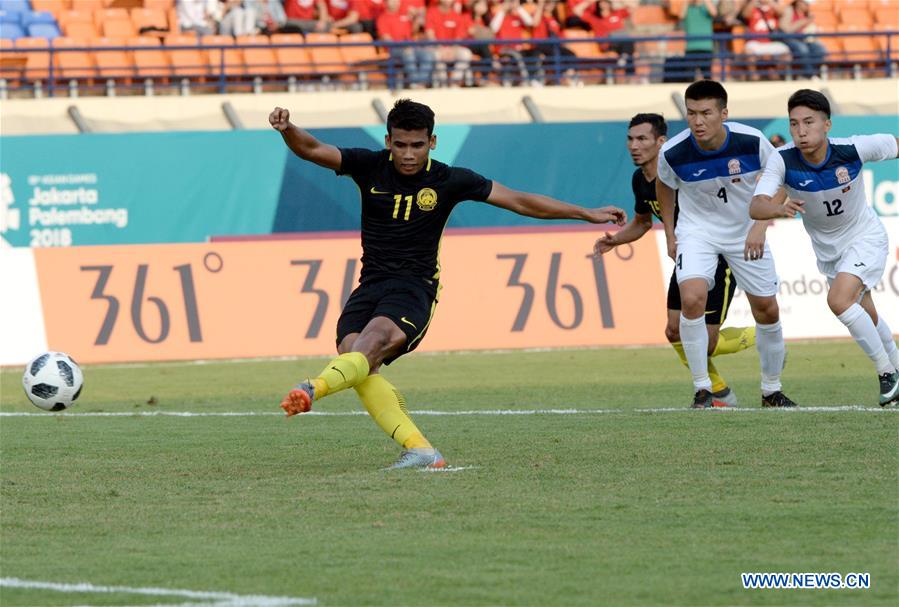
714	166
823	178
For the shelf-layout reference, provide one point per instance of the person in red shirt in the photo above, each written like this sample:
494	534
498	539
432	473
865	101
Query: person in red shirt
305	16
509	22
443	23
393	25
763	18
559	58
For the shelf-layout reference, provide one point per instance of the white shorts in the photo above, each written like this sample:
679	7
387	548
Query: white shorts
772	47
699	259
865	258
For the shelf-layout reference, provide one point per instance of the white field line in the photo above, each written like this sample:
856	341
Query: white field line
424	412
219	599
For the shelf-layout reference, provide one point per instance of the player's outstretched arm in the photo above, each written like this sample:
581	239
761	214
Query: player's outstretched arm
544	207
766	207
302	143
634	230
665	195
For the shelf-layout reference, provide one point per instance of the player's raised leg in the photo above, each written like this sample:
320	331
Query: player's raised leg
845	290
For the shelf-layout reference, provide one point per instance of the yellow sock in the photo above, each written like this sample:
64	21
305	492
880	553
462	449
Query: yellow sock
734	339
387	407
718	382
345	371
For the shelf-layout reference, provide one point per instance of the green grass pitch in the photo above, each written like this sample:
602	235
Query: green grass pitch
607	504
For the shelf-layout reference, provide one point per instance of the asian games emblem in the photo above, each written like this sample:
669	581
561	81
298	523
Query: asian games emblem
733	166
427	199
842	174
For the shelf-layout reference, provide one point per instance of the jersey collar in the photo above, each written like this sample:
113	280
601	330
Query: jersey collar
715	151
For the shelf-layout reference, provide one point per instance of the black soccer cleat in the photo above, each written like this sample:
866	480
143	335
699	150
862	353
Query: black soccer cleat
777	399
889	388
703	399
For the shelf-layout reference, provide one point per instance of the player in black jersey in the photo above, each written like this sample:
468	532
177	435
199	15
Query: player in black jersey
406	201
645	136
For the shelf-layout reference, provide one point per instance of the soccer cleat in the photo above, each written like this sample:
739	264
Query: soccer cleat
777	399
299	400
419	458
702	400
724	398
889	388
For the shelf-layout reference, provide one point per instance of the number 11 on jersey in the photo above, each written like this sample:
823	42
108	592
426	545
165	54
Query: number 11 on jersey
398	198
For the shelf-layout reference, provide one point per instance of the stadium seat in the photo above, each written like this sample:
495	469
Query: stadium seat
233	58
857	17
111	14
16	6
118	28
887	16
259	57
363	59
88	5
43	30
116	64
32	17
826	22
50	6
187	61
150	60
887	46
292	60
37	63
11	31
73	65
80	29
327	59
143	18
653	16
162	5
12	66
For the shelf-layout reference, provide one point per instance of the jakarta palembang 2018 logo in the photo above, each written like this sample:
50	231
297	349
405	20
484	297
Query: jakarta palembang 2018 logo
10	219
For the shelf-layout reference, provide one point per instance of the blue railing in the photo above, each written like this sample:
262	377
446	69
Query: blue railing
585	60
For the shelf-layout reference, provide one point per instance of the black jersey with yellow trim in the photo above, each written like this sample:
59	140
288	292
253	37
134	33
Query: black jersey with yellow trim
403	217
645	199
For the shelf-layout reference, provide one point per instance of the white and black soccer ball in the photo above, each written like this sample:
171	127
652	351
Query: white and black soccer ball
53	381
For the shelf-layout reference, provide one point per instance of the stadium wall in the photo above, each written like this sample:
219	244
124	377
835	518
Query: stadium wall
142	188
509	288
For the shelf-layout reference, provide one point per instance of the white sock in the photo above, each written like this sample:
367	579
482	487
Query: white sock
769	341
886	338
695	338
861	327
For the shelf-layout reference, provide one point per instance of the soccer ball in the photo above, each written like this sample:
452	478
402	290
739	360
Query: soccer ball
53	381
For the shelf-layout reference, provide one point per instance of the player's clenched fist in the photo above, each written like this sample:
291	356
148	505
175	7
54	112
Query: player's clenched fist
279	118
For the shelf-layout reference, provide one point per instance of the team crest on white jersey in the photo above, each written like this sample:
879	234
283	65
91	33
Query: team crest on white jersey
733	166
842	174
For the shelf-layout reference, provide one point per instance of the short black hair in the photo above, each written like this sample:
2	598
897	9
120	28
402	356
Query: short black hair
813	100
659	126
410	116
707	89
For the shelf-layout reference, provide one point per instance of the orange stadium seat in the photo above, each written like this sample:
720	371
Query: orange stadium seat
821	6
88	5
116	64
13	65
651	15
70	16
861	49
834	46
50	6
37	64
259	59
189	61
118	28
858	17
107	14
150	61
885	45
327	59
73	65
826	21
162	5
80	29
363	59
233	57
887	16
143	17
295	60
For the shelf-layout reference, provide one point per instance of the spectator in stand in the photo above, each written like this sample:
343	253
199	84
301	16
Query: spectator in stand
762	17
306	16
777	140
200	16
395	26
797	19
547	27
443	23
580	13
613	22
238	19
270	15
508	23
697	19
476	25
342	15
360	16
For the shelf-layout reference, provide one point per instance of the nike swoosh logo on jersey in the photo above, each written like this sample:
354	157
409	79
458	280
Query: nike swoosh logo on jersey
374	190
699	172
403	319
802	184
